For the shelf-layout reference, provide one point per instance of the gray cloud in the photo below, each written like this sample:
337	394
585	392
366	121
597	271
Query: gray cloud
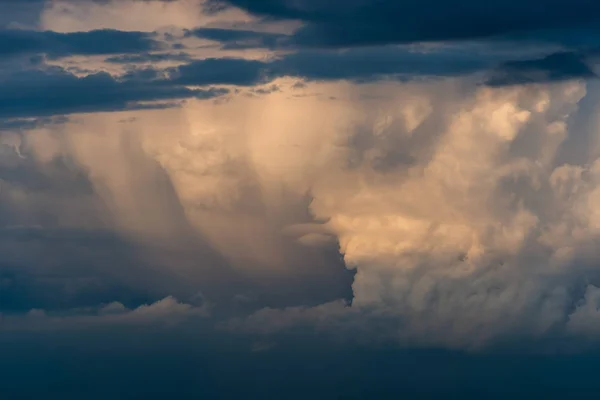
555	67
225	203
241	39
72	238
361	22
147	85
54	44
233	71
55	91
148	58
106	316
373	63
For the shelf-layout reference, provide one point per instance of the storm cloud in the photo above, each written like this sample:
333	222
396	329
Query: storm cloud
227	196
362	22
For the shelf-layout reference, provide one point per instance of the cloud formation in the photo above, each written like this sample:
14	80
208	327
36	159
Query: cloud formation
332	173
462	226
362	22
17	42
165	311
35	93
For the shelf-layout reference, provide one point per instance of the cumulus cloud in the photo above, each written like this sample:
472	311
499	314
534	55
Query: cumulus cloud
440	194
446	198
463	227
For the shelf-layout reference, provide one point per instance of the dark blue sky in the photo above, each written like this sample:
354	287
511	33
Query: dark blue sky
152	367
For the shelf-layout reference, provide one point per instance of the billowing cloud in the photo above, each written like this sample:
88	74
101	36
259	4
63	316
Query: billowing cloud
172	205
327	171
464	227
298	199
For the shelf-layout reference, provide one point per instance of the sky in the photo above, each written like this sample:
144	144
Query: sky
291	199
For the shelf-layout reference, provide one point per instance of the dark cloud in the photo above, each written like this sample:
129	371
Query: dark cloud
54	91
407	63
232	71
240	39
48	263
11	124
69	284
267	90
58	270
25	12
352	64
554	67
367	22
69	274
372	63
55	44
375	62
148	58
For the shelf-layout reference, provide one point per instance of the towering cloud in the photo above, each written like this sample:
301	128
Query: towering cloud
437	167
459	213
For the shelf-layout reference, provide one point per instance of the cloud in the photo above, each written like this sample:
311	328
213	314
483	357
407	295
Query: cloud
79	231
380	63
143	87
387	167
361	22
54	44
264	196
240	39
134	15
149	58
451	203
167	311
343	179
35	93
375	63
233	71
12	124
554	67
55	91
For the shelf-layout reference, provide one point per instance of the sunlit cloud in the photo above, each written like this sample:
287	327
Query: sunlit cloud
300	166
